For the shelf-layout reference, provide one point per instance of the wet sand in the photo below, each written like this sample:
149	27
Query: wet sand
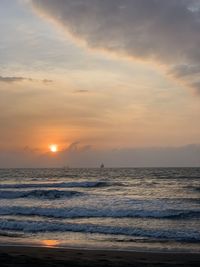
52	257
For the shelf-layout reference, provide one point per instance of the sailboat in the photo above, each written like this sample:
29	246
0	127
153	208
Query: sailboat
102	166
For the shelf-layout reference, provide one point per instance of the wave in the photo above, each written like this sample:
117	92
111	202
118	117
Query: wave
194	188
40	226
84	184
43	194
10	234
82	212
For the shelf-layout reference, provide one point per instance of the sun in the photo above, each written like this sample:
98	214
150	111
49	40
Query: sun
53	148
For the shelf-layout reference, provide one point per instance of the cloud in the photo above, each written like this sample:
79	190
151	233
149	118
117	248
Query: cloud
13	79
196	85
165	32
185	70
73	147
46	81
81	91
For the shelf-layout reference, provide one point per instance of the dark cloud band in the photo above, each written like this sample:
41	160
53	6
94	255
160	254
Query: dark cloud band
13	79
167	32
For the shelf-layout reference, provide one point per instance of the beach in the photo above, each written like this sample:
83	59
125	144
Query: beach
43	256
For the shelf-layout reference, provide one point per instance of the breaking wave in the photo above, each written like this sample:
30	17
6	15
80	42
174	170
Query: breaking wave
34	227
82	212
42	194
84	184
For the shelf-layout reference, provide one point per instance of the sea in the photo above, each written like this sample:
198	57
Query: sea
154	209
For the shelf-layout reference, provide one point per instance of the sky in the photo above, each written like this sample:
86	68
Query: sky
113	81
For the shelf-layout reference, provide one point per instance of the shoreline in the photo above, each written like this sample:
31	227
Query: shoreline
57	247
12	255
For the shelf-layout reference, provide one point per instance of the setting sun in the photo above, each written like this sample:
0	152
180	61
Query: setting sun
53	148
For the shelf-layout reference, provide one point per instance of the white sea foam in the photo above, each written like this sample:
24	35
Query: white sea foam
41	226
83	184
84	212
42	194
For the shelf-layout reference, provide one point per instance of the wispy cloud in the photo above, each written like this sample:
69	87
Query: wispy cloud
13	79
81	91
165	32
46	81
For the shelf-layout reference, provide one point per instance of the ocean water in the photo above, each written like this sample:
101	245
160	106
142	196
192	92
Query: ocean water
129	209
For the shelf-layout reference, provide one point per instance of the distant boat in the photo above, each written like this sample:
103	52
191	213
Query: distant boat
102	166
65	167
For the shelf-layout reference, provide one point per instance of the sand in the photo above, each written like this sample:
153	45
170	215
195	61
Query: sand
43	256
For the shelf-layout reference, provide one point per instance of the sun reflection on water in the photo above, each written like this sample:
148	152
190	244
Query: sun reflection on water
50	243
